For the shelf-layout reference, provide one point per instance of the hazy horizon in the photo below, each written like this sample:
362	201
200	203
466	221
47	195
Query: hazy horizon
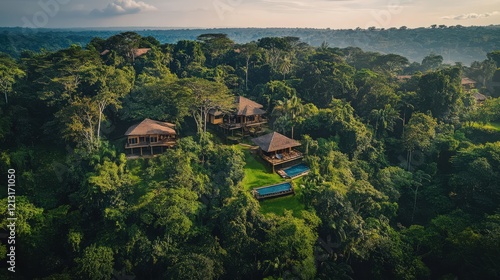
197	14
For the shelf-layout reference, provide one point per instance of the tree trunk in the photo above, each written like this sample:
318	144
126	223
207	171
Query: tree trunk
408	160
414	204
102	105
246	74
197	121
205	122
99	126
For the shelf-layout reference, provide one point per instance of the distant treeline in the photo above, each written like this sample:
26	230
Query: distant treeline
454	43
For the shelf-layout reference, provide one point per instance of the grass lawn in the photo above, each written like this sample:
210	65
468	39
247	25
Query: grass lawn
258	174
280	204
494	126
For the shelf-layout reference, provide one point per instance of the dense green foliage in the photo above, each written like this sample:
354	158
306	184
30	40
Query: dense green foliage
454	43
404	180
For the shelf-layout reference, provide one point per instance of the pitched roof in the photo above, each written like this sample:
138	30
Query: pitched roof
467	81
274	142
136	52
404	77
151	127
247	107
142	51
479	97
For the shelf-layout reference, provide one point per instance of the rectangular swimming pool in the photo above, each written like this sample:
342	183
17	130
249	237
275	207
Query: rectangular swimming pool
296	170
274	190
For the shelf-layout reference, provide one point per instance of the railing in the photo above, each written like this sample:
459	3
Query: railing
245	124
284	157
149	143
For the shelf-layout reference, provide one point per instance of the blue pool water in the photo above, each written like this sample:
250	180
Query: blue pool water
296	170
274	189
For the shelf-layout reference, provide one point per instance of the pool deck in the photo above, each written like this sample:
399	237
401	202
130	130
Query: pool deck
283	173
281	193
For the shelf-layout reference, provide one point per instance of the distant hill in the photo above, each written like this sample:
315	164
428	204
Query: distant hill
454	43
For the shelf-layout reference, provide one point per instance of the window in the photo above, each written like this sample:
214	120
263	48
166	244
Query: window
153	139
132	140
142	139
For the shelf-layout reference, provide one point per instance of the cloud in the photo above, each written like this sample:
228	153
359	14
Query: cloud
123	7
470	16
298	6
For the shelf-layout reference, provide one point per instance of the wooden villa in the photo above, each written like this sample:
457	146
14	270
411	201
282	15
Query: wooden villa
277	149
247	116
479	97
468	84
404	78
150	137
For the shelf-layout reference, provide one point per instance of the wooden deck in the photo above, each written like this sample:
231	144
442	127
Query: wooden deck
286	157
162	143
283	174
232	126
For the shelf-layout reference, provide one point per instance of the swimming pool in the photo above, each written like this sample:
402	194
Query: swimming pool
296	170
274	190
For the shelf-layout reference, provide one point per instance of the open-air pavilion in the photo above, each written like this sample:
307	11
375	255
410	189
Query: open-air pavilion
277	149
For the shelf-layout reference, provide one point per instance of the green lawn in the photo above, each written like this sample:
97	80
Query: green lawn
494	126
280	204
258	174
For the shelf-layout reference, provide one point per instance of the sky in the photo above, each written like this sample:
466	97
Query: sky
334	14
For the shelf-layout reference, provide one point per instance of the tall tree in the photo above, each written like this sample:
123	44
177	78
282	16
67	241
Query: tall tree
96	263
206	96
216	45
9	72
440	92
286	257
385	118
292	108
418	134
432	62
79	119
248	50
114	84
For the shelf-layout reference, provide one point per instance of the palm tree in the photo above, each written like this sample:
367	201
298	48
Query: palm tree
248	51
309	143
385	117
285	66
292	108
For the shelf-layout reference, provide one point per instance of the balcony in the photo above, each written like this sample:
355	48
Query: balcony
231	126
283	157
169	142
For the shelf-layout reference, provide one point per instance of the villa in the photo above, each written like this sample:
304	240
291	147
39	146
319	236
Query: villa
150	137
248	116
277	149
